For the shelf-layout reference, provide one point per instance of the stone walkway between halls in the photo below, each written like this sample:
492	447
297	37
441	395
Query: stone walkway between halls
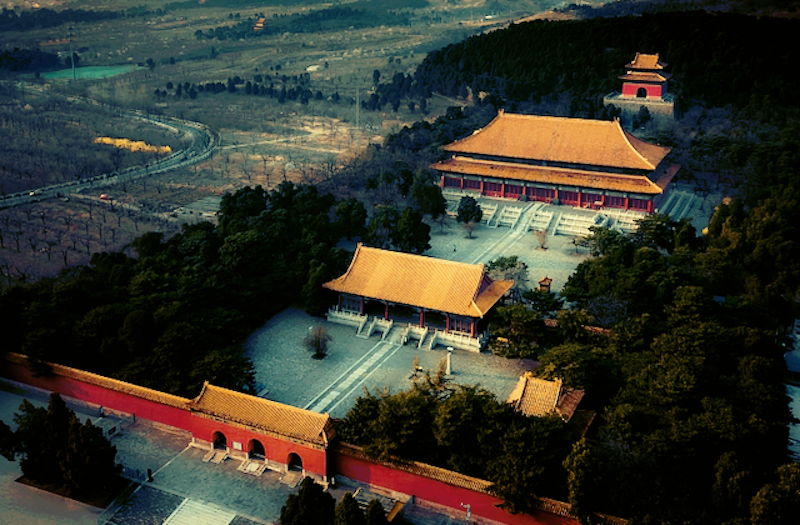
346	385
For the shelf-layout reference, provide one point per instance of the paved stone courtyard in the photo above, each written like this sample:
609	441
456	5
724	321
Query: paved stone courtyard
288	373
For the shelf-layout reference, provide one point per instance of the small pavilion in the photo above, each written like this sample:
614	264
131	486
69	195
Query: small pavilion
447	298
536	397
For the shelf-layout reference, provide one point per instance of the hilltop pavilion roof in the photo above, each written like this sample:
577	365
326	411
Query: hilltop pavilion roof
417	280
645	61
562	140
263	414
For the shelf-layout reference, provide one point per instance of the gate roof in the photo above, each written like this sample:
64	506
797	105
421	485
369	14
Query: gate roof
263	414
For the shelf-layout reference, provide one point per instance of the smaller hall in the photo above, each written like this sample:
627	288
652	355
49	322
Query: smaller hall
415	297
570	161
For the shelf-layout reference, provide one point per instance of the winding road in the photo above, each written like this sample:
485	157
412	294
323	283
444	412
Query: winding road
203	142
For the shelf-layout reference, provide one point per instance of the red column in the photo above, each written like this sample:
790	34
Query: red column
441	181
462	183
483	186
421	317
447	323
650	206
555	194
627	202
473	328
386	310
580	199
503	189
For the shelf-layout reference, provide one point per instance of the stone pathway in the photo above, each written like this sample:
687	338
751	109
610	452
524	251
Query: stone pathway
345	386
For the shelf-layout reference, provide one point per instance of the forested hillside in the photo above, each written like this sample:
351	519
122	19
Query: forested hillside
716	59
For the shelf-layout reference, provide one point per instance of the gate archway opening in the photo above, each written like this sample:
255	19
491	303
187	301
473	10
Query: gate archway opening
256	449
295	463
220	441
641	93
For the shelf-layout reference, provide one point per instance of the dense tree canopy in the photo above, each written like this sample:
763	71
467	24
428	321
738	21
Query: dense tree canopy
465	429
686	383
310	506
177	316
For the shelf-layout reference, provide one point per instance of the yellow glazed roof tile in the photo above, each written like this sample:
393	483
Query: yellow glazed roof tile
563	140
645	61
416	280
645	76
263	414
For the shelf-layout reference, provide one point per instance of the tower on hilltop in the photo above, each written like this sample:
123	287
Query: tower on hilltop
644	84
645	78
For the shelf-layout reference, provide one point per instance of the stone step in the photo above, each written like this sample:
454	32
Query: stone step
195	513
292	478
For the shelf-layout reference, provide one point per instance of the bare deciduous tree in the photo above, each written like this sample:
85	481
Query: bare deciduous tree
541	236
33	240
17	235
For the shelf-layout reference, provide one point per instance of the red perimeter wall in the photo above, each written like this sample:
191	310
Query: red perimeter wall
427	489
316	461
141	408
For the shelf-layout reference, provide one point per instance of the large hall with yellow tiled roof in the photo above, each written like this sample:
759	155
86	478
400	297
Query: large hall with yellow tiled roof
576	162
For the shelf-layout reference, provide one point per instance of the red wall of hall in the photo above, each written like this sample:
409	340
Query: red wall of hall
142	408
314	460
482	505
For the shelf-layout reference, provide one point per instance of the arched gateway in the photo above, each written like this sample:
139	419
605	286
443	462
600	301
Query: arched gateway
256	449
294	463
220	441
262	431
